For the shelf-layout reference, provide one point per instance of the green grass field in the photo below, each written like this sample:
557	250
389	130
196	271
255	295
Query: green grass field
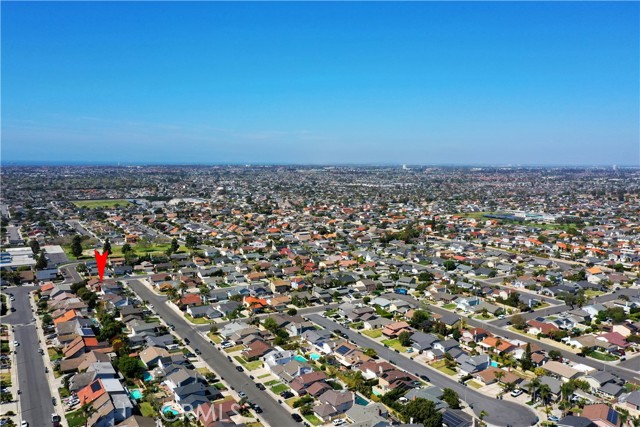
279	388
394	344
75	419
147	410
375	333
94	204
313	419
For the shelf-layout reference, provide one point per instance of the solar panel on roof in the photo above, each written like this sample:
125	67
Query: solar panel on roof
343	350
612	416
450	419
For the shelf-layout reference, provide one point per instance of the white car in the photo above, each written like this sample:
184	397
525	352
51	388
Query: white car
24	424
516	393
16	343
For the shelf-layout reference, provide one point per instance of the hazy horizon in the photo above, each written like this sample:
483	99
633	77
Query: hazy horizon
425	83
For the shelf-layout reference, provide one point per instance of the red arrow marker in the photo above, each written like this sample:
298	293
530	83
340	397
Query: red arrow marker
101	261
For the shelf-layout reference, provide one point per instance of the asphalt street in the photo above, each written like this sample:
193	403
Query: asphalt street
500	412
35	401
273	413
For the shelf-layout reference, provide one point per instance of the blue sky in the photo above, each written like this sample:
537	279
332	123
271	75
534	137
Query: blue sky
419	83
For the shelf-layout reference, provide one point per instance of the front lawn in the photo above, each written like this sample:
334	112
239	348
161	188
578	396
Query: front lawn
232	349
291	401
64	392
215	338
271	383
313	419
602	356
75	419
374	333
474	384
252	366
198	320
440	366
277	389
394	344
5	379
53	354
449	306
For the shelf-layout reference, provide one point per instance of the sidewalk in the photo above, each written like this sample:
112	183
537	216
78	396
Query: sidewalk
14	405
54	383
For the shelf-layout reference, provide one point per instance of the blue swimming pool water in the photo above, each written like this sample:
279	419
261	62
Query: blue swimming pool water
147	376
169	410
314	356
494	364
300	358
361	401
136	394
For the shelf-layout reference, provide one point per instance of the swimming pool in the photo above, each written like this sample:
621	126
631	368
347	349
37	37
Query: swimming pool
495	364
170	410
147	376
300	359
136	393
361	401
314	356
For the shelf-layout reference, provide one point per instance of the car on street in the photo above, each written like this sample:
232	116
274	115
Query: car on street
186	341
257	409
239	369
296	417
242	394
516	393
24	424
197	351
261	386
16	343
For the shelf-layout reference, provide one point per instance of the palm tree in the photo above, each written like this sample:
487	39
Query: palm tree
509	361
183	287
87	411
545	393
533	386
499	375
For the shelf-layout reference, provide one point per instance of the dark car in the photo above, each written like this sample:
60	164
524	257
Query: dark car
186	341
53	401
198	352
296	417
239	369
257	409
261	386
425	378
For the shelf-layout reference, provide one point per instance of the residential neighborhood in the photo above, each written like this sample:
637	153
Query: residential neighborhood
274	296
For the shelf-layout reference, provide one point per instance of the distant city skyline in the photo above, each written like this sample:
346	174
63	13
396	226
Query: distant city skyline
416	83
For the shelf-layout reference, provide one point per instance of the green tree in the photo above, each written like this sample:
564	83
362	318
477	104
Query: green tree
76	246
405	338
107	246
270	324
526	361
174	245
451	397
449	265
422	411
35	246
41	263
87	410
555	355
130	367
191	241
518	322
126	248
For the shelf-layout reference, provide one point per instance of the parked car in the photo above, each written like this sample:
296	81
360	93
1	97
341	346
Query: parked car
516	393
239	369
296	417
261	386
198	352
